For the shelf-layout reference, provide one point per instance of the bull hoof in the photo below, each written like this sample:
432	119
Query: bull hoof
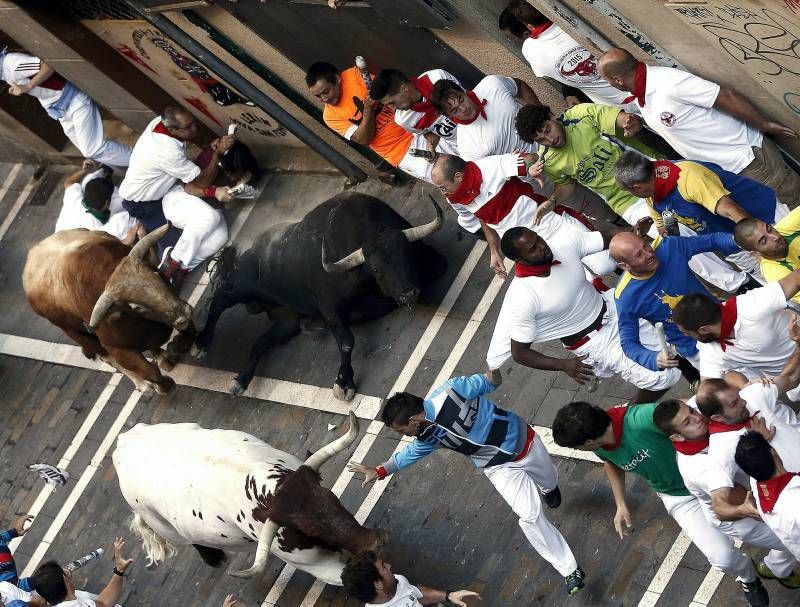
235	389
166	386
198	353
346	394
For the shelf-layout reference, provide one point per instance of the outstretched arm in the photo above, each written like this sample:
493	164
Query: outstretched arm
431	596
734	103
616	478
573	366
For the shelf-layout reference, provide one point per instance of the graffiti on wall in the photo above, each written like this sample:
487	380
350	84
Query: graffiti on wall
764	41
206	95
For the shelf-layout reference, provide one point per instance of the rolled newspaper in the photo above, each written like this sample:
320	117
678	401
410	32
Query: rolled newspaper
77	564
662	339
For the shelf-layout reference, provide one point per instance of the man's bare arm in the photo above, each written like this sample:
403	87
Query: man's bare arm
734	103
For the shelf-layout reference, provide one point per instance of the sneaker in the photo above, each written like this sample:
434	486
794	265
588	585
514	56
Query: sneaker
790	581
574	581
552	498
755	593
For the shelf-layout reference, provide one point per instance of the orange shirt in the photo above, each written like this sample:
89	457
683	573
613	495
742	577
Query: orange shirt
391	141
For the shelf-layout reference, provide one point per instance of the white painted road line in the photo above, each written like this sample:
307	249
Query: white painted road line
665	571
12	214
12	175
82	483
77	441
710	584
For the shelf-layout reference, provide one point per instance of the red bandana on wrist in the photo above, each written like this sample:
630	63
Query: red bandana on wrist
469	187
769	491
639	85
690	447
715	427
727	321
665	178
161	129
524	270
617	415
479	103
540	29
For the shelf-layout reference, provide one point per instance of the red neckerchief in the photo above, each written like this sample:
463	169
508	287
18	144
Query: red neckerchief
54	83
715	427
769	491
540	29
639	85
480	104
727	321
424	85
690	447
617	415
523	270
665	178
469	187
162	130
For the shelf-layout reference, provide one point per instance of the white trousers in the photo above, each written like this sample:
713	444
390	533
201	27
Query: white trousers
603	350
204	229
707	266
519	483
717	547
756	533
84	128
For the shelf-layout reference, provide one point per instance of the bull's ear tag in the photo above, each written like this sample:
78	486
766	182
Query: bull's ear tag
50	474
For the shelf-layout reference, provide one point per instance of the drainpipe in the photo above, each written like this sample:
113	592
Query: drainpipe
249	90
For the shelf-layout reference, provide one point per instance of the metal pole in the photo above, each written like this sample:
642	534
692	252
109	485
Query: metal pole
249	90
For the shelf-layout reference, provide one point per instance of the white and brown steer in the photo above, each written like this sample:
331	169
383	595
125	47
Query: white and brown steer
226	490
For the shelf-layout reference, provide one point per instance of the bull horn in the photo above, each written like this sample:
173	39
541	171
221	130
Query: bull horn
315	460
355	259
265	538
101	308
420	232
141	248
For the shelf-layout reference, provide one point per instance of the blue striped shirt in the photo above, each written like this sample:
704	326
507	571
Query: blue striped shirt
463	420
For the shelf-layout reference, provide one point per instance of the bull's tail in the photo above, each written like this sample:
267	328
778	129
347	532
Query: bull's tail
156	548
223	268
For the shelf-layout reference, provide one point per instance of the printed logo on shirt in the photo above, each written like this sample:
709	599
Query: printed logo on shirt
637	459
578	65
444	128
590	167
384	117
668	300
668	118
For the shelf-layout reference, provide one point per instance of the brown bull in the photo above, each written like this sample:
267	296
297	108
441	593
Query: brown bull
108	298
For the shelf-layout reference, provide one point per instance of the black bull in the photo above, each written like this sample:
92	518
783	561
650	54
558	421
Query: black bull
381	264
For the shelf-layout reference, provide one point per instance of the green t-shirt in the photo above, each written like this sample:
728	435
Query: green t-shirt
588	158
646	451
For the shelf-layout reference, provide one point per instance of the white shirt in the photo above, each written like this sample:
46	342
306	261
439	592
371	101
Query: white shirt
442	126
505	197
74	215
563	303
78	602
722	445
760	343
557	55
784	519
679	106
497	133
19	68
157	163
9	592
406	595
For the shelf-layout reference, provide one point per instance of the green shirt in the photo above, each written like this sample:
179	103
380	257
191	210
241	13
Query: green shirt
646	451
587	157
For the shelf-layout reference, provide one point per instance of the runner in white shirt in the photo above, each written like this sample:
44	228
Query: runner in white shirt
153	192
552	53
63	101
550	298
492	190
730	411
775	485
688	430
749	333
92	202
703	121
369	578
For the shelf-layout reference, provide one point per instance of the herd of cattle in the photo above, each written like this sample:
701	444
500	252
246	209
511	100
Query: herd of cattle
110	300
